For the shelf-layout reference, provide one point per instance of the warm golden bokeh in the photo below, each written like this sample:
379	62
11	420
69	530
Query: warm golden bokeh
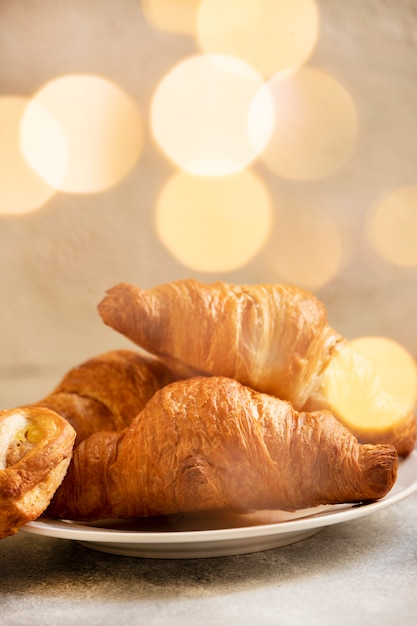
44	144
395	366
213	224
173	16
200	115
21	190
316	124
308	246
392	227
355	393
102	128
271	35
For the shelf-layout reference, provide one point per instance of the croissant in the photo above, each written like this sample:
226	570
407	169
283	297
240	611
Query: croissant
107	391
273	338
211	443
35	450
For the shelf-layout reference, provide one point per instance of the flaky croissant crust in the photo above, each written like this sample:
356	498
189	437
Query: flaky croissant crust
210	443
107	391
274	338
35	449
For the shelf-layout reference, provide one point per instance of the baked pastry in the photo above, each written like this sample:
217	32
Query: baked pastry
107	391
210	443
35	450
273	338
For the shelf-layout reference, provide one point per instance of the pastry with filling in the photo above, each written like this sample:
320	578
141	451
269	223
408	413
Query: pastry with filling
35	450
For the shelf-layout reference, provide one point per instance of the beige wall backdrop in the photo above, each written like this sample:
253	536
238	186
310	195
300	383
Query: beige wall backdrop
124	156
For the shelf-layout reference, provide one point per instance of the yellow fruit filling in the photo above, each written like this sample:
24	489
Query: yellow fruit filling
32	433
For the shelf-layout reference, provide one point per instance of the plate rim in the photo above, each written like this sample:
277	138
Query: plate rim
67	529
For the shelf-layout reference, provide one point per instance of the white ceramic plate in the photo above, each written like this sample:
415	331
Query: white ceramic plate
201	536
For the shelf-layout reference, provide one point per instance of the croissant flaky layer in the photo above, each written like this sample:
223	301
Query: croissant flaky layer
273	338
210	443
35	450
107	391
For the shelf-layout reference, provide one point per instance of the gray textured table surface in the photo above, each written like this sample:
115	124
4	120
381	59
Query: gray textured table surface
358	572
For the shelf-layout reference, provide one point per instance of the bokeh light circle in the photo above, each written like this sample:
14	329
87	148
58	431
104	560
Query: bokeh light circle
44	144
271	35
213	224
21	189
316	124
395	366
391	227
102	128
200	115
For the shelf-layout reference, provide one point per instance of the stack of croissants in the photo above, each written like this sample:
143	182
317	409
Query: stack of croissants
218	406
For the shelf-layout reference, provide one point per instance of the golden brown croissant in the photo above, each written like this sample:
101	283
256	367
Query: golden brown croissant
35	450
210	443
106	392
273	338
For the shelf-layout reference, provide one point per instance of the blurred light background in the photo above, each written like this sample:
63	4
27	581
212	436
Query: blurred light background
242	140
